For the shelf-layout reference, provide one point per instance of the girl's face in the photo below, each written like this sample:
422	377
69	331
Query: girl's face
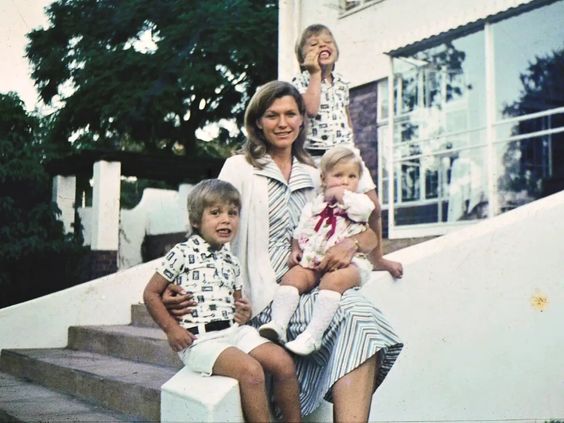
281	124
219	224
345	174
324	46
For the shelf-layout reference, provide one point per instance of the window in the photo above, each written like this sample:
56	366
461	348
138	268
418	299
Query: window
449	160
347	6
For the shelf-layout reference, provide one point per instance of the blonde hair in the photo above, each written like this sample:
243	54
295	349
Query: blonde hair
338	154
207	193
310	31
256	145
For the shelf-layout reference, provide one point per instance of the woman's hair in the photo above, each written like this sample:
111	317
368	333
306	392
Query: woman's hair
311	30
207	193
257	145
336	154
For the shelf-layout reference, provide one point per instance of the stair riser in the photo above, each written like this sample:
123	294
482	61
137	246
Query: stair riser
119	396
143	350
141	317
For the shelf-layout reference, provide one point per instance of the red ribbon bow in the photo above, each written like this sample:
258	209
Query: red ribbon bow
329	215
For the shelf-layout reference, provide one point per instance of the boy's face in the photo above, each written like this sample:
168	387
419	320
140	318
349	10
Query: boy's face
323	45
344	174
219	224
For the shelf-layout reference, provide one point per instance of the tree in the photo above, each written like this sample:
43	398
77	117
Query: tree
31	237
146	75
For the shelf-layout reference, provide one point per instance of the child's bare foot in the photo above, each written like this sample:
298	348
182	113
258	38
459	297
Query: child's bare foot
394	267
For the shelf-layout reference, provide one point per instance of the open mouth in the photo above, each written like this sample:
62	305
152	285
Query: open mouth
324	54
224	232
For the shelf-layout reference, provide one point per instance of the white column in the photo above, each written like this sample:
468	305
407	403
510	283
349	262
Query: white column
105	206
289	29
64	193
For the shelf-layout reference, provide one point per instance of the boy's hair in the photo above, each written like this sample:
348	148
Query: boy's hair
336	154
311	30
209	192
256	145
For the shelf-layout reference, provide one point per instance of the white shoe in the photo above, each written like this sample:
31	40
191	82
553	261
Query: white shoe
304	344
273	332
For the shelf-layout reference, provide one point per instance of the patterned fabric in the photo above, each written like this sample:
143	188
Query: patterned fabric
331	124
358	330
211	275
285	201
324	225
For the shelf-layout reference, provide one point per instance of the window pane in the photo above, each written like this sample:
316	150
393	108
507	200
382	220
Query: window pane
529	61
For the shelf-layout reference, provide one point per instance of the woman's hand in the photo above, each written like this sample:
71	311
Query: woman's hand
243	311
177	301
338	256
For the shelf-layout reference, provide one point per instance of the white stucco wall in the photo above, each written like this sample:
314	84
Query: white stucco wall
364	36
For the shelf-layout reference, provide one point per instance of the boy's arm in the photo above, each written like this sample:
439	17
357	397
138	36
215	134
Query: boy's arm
178	337
312	94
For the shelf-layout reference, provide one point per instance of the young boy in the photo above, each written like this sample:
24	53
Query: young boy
212	338
326	96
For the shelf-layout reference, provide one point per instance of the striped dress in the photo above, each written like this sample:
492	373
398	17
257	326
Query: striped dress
358	330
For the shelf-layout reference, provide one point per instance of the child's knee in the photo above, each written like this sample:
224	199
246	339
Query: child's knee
251	373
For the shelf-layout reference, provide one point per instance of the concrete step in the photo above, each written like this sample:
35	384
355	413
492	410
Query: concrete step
119	385
141	317
141	344
21	401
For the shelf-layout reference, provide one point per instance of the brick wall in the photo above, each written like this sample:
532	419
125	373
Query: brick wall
101	263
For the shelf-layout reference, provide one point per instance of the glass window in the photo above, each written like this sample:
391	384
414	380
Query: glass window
439	119
529	78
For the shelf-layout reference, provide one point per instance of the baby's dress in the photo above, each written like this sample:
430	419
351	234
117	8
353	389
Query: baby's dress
323	224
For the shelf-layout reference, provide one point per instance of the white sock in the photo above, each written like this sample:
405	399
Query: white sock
284	304
323	312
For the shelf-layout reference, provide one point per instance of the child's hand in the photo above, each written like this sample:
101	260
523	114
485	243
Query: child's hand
295	257
334	193
311	61
179	338
242	311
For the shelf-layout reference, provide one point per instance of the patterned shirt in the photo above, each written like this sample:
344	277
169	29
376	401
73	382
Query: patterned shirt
331	124
210	275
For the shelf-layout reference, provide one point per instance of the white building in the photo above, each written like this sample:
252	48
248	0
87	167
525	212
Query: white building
458	105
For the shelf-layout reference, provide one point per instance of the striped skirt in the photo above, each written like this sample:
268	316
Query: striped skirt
357	332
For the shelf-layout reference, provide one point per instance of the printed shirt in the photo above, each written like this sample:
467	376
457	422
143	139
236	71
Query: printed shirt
331	125
211	275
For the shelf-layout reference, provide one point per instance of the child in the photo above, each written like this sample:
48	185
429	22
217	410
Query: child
339	212
326	96
212	338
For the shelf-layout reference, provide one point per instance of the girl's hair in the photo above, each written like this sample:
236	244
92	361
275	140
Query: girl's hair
310	31
257	145
207	193
336	154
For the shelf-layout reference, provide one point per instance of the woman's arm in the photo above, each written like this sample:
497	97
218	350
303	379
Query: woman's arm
341	254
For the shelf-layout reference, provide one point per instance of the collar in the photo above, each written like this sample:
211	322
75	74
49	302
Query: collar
299	179
201	246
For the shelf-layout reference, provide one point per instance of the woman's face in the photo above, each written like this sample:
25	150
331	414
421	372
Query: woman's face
281	123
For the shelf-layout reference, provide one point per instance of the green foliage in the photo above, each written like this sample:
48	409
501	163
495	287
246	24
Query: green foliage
146	75
31	237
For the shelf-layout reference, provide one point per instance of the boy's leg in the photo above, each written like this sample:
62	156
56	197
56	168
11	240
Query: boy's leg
248	371
377	255
278	363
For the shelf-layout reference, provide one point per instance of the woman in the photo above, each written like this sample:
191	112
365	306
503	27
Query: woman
276	177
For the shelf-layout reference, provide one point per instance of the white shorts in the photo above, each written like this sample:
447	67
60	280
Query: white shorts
366	182
201	356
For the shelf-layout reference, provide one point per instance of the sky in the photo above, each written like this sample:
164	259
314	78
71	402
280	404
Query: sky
17	18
